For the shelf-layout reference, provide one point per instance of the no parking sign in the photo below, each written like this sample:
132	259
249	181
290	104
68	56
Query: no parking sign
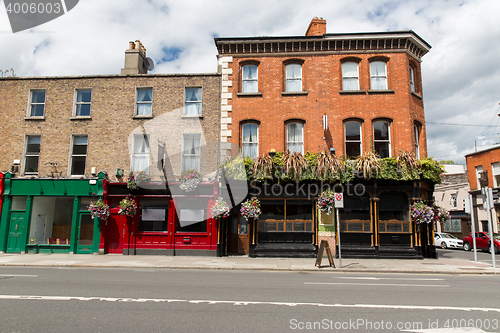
339	200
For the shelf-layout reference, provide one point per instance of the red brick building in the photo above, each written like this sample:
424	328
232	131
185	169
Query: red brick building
343	93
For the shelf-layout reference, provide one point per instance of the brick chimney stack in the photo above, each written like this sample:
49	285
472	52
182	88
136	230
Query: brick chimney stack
134	59
317	27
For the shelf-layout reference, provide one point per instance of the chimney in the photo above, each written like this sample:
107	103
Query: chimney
317	27
134	59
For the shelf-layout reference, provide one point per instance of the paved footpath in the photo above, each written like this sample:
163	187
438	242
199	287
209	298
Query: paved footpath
425	266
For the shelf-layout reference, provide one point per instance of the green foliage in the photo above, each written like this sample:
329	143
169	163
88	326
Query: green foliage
431	170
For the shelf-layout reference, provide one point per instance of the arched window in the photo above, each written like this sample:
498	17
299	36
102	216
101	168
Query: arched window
250	140
249	79
293	74
352	138
378	75
412	79
295	137
382	138
350	76
416	133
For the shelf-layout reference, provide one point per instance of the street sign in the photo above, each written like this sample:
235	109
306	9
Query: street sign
339	200
467	205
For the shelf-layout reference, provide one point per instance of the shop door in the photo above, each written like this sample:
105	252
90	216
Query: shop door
116	233
17	233
237	239
86	232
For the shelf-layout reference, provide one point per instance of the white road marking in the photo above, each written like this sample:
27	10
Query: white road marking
17	275
377	278
379	284
211	302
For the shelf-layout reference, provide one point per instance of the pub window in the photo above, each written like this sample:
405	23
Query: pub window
355	216
393	212
153	214
286	216
192	215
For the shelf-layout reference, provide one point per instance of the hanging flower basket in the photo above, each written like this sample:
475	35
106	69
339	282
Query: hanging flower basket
127	206
220	209
137	178
99	209
421	213
190	179
326	201
440	214
251	209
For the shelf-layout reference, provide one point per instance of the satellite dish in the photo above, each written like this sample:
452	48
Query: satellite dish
149	64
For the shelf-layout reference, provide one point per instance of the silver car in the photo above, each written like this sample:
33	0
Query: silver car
447	241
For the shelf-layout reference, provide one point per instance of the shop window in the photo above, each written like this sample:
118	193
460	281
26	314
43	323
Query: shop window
378	75
249	79
393	212
355	216
193	100
37	103
191	152
250	140
51	220
153	214
293	77
192	215
83	102
353	146
79	155
144	102
295	137
382	138
140	159
350	76
32	154
19	202
452	225
297	217
495	167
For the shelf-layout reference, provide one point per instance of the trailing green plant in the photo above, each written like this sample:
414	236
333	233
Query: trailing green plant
431	170
369	164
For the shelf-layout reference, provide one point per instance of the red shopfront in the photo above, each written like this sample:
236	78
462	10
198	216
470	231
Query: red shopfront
164	224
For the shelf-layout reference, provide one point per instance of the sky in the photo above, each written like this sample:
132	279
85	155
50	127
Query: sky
461	73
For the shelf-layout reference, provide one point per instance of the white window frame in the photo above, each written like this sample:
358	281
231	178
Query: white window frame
27	154
143	155
388	135
347	77
187	103
75	107
243	80
243	143
379	76
31	103
137	102
360	141
183	154
412	79
73	155
495	172
479	170
301	141
416	134
292	80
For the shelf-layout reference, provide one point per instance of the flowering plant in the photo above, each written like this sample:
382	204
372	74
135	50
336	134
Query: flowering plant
190	179
326	201
99	209
127	206
440	214
421	213
137	178
251	208
220	209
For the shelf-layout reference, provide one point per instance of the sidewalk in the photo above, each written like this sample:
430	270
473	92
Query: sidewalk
426	266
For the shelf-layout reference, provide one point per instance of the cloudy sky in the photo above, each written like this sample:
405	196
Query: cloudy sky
461	73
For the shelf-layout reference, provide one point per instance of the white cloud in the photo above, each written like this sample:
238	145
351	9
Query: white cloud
461	75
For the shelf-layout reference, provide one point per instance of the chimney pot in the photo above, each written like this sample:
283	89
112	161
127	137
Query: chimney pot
131	45
317	27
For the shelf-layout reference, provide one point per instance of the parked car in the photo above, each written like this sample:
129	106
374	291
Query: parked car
447	241
482	241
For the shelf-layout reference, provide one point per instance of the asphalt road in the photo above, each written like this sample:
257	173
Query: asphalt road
147	300
482	256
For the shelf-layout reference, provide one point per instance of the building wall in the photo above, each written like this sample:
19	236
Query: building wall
485	159
112	117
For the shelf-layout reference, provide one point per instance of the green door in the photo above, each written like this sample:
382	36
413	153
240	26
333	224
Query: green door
17	233
86	232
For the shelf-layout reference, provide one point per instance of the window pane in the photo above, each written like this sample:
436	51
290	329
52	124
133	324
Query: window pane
193	94
78	165
350	84
144	109
382	148
193	109
249	140
79	149
249	86
38	96
352	149
299	210
84	96
249	72
381	130
272	210
83	110
249	79
350	69
145	95
379	83
37	110
80	140
31	164
33	145
141	144
294	77
353	131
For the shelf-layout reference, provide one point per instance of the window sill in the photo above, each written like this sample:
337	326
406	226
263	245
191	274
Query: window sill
142	117
417	95
293	93
191	117
256	94
386	91
81	118
35	118
353	92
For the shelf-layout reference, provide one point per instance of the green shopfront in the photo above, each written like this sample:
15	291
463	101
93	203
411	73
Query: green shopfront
49	215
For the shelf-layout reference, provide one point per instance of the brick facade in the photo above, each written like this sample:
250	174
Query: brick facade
485	159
